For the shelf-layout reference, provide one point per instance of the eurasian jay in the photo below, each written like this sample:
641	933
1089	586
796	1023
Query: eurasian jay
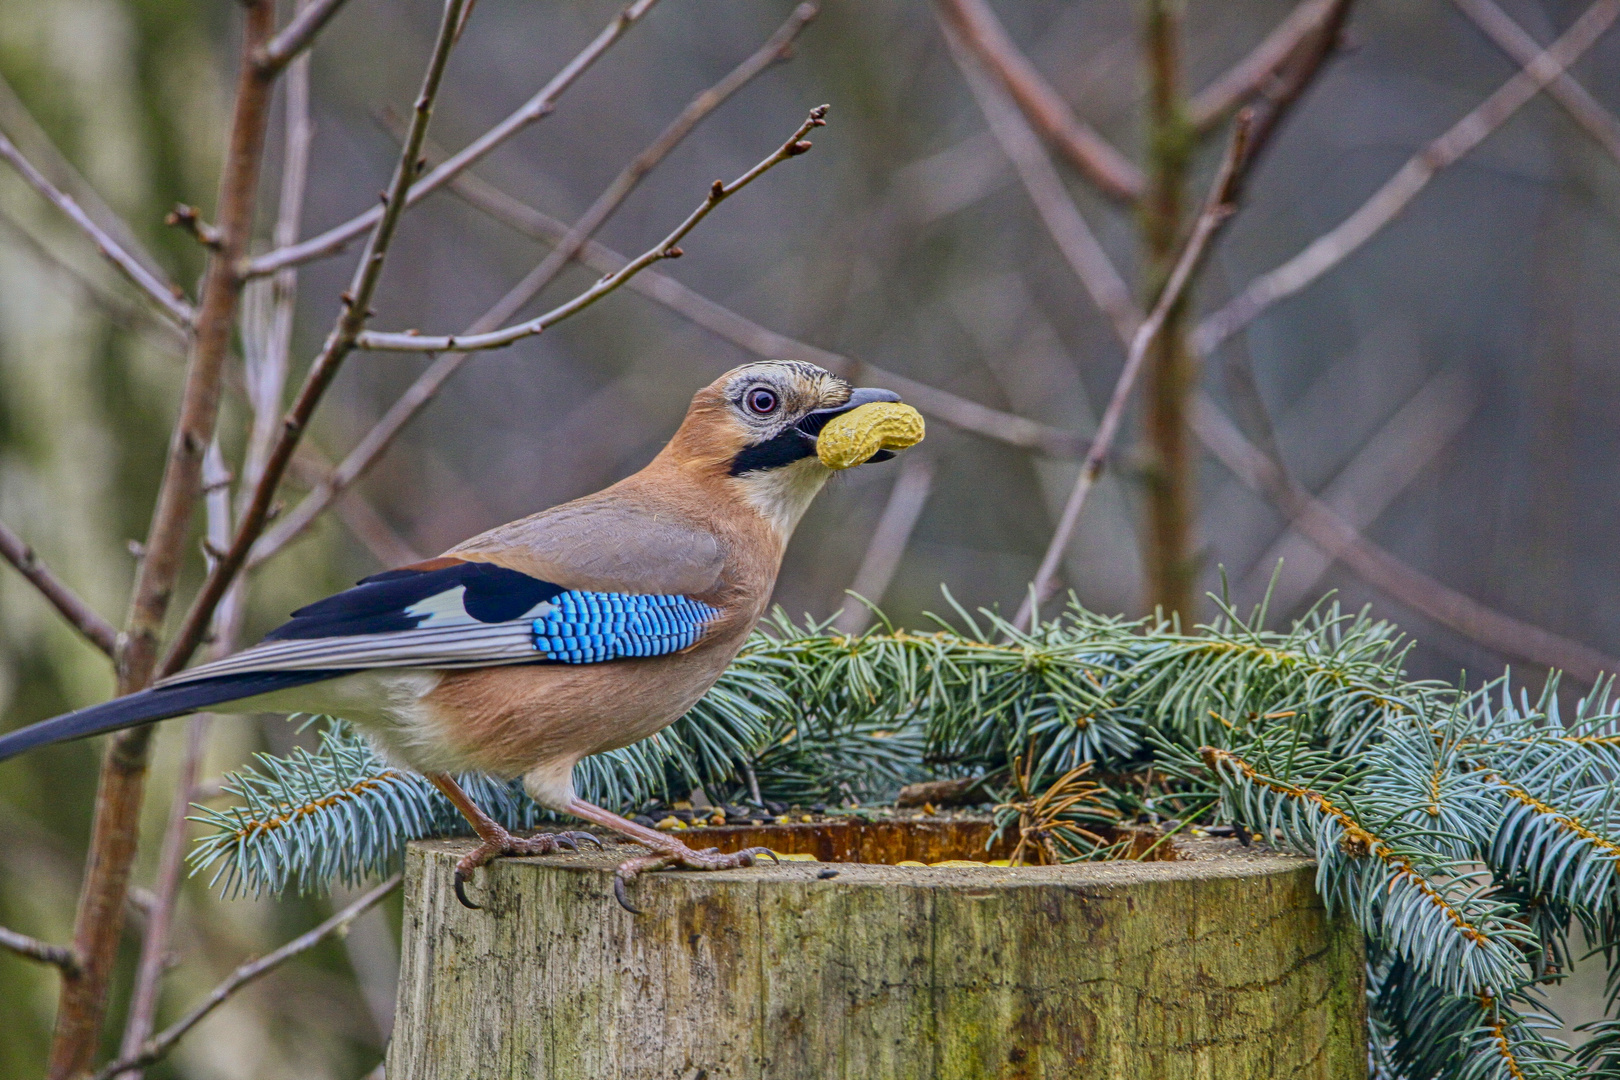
582	628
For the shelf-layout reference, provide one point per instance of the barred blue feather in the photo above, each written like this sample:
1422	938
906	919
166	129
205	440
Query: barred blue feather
590	627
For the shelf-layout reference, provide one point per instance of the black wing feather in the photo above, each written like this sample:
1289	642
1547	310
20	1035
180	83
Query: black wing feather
377	605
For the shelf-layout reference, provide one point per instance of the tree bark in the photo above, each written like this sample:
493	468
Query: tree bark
1220	964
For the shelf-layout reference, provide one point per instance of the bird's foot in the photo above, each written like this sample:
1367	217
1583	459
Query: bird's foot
678	856
498	842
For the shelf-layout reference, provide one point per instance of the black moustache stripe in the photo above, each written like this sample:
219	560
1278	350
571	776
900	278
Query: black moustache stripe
784	449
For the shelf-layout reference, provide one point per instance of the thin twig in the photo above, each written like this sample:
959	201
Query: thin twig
1334	246
1385	572
775	48
979	29
1250	75
1389	462
98	631
160	1044
166	295
267	324
698	309
296	36
667	248
889	540
1067	228
1217	211
339	343
746	334
58	956
1511	38
427	385
536	108
125	314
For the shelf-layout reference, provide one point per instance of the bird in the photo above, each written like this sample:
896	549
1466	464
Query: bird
579	629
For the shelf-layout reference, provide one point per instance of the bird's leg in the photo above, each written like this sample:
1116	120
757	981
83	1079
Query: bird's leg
495	840
667	851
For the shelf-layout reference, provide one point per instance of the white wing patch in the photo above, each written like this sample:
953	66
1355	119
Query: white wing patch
447	637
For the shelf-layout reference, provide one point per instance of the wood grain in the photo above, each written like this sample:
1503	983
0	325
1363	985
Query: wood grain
1220	964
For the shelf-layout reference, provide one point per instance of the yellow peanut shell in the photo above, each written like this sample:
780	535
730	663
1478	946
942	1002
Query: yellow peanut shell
853	438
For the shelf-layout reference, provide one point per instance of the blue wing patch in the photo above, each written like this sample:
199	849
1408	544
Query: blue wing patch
590	627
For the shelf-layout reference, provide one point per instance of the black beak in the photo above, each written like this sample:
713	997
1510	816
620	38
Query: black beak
812	424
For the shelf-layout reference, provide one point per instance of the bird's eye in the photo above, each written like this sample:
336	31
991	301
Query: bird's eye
761	402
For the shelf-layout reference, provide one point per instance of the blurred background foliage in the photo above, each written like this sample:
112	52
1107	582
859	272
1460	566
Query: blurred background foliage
1470	344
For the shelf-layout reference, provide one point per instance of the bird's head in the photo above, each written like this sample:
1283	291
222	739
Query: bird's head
754	429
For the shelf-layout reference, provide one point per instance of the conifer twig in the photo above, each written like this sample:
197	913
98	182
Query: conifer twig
1337	244
160	1044
667	248
538	107
1217	210
96	630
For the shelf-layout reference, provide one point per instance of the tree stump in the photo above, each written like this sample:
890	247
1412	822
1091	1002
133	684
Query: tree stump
1219	964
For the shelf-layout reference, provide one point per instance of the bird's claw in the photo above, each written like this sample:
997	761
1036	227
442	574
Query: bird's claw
461	893
682	858
504	843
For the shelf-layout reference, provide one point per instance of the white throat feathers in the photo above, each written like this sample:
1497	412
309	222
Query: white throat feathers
782	495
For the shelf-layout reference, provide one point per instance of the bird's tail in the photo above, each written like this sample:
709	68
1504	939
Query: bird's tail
147	706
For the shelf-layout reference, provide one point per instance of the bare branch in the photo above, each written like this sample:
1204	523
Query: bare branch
58	956
536	108
889	540
1333	247
129	315
1384	571
749	335
339	343
98	631
156	1047
121	785
1218	209
1389	462
667	248
154	959
1062	219
427	385
774	49
979	29
1249	76
296	36
363	520
1511	38
166	295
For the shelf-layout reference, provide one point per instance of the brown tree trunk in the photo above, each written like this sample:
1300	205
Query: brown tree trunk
1220	964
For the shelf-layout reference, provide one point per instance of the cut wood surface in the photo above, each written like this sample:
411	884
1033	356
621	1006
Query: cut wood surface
1220	964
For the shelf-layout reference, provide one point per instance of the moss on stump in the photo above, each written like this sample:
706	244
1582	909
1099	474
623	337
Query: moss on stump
1220	964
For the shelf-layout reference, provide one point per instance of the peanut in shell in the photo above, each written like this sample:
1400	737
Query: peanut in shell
853	438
